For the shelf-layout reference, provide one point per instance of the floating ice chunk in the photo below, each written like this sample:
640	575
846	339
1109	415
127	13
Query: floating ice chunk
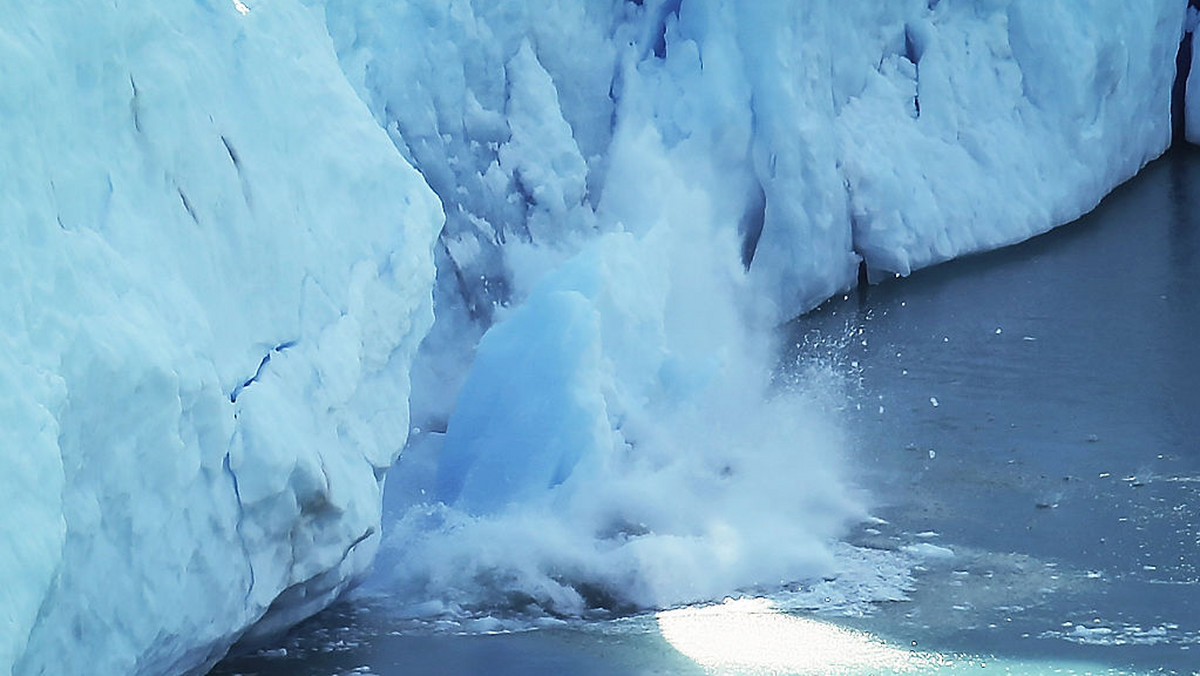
927	550
521	426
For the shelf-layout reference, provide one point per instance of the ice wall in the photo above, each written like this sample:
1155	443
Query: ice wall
215	270
823	133
988	124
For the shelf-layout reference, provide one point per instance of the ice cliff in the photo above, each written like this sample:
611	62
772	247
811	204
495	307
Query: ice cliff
217	264
214	270
902	133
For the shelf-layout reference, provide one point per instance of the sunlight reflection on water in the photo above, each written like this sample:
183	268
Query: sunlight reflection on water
751	635
754	637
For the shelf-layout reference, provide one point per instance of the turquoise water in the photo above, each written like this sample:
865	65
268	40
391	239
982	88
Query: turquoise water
1026	426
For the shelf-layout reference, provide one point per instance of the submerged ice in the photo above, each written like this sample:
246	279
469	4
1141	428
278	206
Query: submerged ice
218	264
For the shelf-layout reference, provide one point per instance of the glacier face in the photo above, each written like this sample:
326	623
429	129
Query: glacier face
216	269
904	134
998	125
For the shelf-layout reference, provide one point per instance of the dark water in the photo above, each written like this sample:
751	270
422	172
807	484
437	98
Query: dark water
1034	411
1062	456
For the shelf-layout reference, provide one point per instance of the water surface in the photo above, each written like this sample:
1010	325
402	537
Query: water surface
1036	411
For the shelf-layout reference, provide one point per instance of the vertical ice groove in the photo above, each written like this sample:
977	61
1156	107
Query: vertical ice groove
233	156
241	515
187	205
134	105
1189	88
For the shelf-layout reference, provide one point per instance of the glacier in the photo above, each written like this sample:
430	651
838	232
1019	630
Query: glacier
221	221
215	270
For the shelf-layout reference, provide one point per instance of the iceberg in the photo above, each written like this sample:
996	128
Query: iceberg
220	223
215	271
